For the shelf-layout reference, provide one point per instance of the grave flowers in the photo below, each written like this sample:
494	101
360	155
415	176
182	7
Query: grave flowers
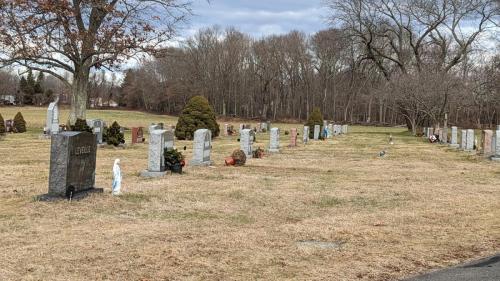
174	160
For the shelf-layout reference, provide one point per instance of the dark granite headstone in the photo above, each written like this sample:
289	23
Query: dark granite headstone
72	163
9	126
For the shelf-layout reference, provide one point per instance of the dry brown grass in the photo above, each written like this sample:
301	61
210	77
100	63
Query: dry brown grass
420	207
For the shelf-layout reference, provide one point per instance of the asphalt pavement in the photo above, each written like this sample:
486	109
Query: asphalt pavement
487	269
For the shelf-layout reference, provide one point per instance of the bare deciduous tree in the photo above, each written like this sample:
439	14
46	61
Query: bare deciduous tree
77	36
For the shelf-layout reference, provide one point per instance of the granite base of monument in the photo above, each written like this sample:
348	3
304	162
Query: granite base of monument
149	174
493	158
200	164
273	150
72	196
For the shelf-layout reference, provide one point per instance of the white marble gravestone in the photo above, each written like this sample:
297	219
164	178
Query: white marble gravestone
52	122
463	139
337	130
496	157
202	146
246	142
469	145
316	132
454	137
274	144
305	135
330	131
344	129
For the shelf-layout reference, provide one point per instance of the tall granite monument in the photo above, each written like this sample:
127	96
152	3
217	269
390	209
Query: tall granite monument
72	164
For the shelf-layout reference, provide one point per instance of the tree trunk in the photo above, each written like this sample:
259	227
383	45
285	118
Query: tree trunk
79	94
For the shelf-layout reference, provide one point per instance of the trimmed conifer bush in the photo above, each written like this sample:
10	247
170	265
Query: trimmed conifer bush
198	114
2	125
113	135
19	123
315	118
81	126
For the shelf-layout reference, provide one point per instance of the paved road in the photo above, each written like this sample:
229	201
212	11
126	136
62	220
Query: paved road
487	269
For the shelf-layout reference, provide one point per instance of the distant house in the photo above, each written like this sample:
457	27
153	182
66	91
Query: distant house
8	99
98	102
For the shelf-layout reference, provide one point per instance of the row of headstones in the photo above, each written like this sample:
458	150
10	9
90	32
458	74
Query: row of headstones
490	140
331	129
97	125
202	144
72	150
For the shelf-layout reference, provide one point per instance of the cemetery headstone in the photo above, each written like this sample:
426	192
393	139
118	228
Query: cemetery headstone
330	131
9	126
454	137
52	122
337	130
246	142
463	139
242	127
97	126
72	164
496	157
154	127
156	158
137	135
169	139
268	125
344	129
263	127
226	128
487	138
444	138
274	145
202	147
316	132
469	145
293	137
305	135
494	143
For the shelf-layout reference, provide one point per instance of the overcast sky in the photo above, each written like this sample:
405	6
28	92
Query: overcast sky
259	17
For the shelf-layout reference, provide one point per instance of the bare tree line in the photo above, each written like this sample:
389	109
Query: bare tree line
391	62
386	62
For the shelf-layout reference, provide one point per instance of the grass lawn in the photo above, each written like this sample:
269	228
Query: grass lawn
420	207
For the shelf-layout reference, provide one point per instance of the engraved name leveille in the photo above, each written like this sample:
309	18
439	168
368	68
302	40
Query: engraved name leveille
83	150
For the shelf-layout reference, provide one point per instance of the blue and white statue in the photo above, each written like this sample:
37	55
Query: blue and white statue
117	178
